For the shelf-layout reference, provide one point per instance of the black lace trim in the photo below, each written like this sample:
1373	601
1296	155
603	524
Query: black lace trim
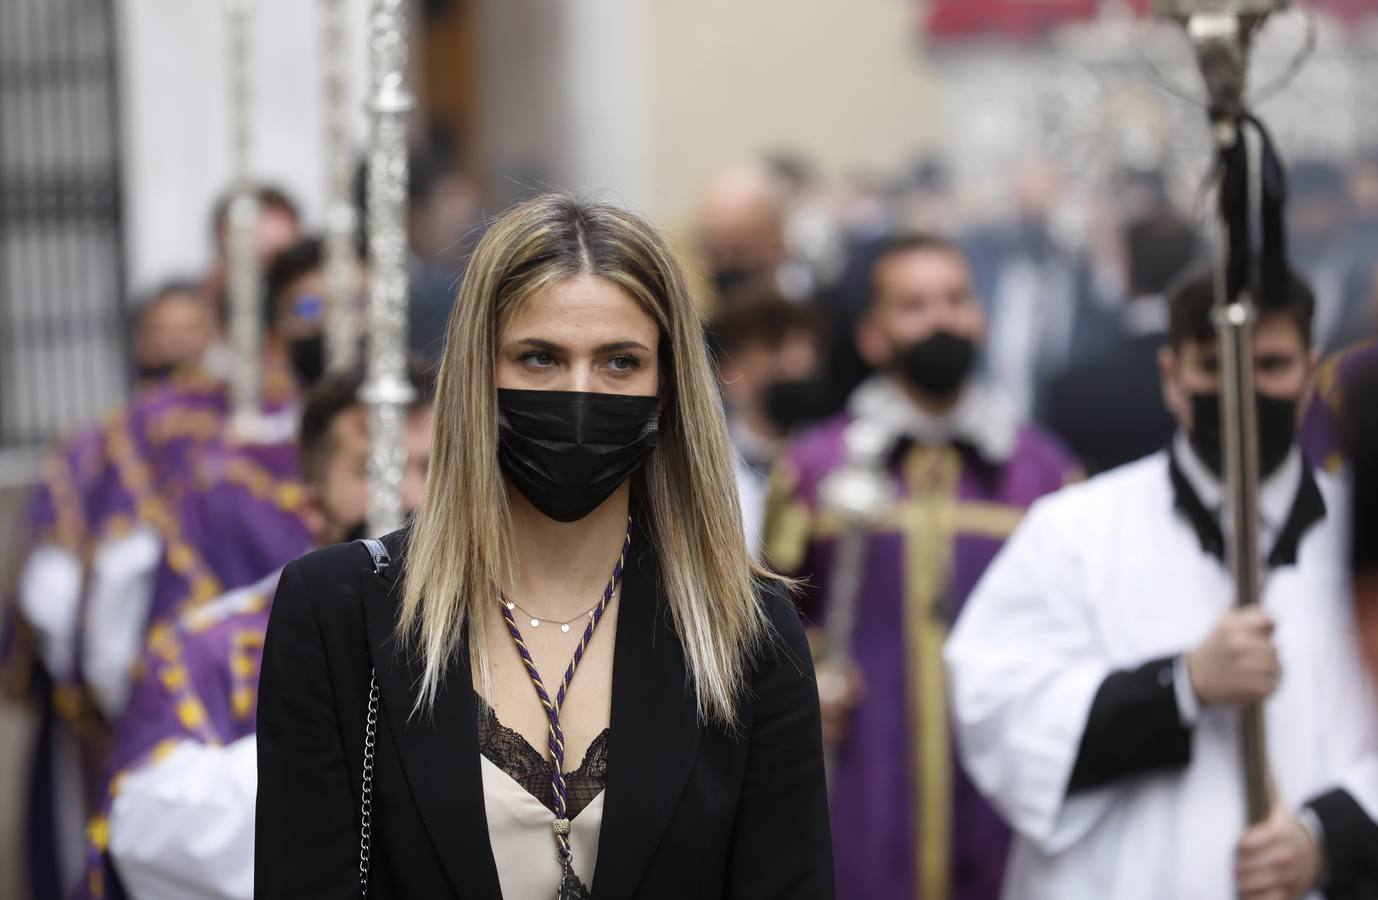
512	753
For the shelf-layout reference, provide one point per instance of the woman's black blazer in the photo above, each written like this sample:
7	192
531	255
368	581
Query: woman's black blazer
691	811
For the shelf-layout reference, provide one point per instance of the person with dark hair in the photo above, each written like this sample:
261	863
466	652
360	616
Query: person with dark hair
179	819
176	551
769	357
173	329
1099	669
278	227
295	310
1109	409
962	467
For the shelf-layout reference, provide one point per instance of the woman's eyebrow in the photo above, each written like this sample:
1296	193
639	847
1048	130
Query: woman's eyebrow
539	344
612	347
621	345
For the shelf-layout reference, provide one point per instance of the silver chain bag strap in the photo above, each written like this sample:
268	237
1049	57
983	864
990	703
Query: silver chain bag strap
380	562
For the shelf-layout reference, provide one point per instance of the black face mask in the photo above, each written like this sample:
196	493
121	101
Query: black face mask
793	404
308	358
356	532
733	278
568	451
1277	431
157	373
938	364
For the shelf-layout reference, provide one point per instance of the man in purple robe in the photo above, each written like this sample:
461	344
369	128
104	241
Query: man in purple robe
906	821
181	474
179	821
37	659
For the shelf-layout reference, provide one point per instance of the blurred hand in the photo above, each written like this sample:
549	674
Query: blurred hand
1238	663
840	689
1276	859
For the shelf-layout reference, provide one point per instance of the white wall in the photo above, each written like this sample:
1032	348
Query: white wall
174	108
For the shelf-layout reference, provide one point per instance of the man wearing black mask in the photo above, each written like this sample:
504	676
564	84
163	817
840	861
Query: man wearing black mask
963	467
769	357
296	311
1099	669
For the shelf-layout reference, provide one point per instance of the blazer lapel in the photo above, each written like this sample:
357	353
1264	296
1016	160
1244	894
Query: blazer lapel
655	729
439	749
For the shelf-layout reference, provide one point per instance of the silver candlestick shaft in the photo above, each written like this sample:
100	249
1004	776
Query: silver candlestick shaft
388	391
860	492
246	320
341	257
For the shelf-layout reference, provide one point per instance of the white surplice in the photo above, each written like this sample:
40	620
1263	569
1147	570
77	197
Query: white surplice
1106	576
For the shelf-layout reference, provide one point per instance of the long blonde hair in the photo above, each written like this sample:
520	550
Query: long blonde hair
460	548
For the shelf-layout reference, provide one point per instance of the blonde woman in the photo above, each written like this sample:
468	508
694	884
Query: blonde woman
582	684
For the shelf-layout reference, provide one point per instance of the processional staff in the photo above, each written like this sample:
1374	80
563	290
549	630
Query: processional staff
387	390
246	321
1221	32
859	493
341	225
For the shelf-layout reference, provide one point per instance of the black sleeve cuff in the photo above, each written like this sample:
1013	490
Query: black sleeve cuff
1134	727
1351	847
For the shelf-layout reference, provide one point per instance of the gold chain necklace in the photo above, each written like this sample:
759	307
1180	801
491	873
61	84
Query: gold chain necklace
537	621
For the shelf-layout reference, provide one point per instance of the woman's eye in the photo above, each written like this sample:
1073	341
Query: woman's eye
537	358
624	363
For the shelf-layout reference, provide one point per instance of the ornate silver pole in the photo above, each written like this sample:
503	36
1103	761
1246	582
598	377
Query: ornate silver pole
341	261
1221	33
242	256
388	390
860	493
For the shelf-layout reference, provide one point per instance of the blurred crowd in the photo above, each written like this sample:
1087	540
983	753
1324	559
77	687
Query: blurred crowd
1036	351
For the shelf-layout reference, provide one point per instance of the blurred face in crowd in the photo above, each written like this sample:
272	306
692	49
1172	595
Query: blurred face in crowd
441	227
925	321
741	226
1283	366
771	384
339	483
174	331
277	230
299	322
1283	369
301	307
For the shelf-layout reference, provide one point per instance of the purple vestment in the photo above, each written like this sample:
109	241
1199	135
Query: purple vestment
199	682
907	823
239	515
1320	433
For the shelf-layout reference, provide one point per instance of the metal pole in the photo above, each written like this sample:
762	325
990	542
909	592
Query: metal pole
860	493
1234	322
1222	47
341	258
244	290
388	390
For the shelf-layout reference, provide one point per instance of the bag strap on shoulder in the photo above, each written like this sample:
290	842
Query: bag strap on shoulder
381	559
